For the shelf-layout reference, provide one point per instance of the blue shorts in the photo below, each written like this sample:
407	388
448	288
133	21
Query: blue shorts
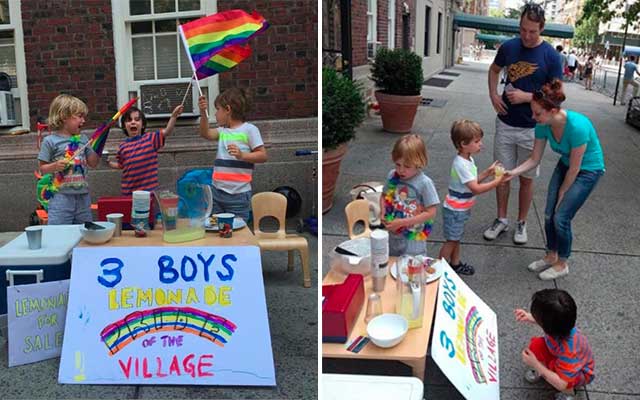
454	221
238	204
67	209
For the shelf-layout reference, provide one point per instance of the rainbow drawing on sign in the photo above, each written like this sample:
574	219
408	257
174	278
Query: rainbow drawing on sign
473	322
182	319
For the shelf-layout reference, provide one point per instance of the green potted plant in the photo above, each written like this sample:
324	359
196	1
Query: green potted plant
343	110
398	77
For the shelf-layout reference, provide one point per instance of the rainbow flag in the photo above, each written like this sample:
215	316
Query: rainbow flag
99	137
217	43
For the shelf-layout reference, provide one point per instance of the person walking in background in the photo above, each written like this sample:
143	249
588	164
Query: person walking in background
530	62
588	73
576	174
572	63
563	57
630	69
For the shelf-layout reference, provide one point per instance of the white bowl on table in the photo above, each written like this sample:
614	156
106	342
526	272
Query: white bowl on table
98	236
387	330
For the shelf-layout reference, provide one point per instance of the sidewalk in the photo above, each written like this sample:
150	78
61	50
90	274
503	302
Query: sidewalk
605	258
293	323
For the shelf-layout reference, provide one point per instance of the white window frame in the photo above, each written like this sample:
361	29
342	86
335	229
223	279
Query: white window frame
124	61
391	24
372	25
21	92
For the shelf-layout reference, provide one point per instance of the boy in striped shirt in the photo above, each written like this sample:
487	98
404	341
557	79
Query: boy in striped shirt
464	185
137	155
562	356
240	146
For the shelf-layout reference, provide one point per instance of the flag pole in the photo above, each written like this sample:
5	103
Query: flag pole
193	67
187	92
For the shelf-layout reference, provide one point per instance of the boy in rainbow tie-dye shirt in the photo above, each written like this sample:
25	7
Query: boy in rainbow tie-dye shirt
240	146
562	356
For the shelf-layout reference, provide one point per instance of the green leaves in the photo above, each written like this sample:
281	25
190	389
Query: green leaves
397	72
343	108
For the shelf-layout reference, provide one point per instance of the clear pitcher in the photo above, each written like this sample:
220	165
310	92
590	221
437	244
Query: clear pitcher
410	290
184	213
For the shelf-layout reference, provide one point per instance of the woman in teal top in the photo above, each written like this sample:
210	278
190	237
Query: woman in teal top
581	165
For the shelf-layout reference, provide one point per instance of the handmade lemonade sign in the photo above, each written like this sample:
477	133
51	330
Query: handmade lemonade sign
465	339
35	317
167	315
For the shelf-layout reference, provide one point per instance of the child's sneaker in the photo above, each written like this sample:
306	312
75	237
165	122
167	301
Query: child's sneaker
564	396
532	376
463	269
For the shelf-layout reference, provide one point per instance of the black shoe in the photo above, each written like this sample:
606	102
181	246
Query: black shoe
463	269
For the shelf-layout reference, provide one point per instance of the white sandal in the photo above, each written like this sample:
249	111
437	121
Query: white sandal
551	273
538	266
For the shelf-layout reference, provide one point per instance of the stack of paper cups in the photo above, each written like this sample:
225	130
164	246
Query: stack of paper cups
140	208
379	258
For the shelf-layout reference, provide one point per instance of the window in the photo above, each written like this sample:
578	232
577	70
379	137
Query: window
14	110
151	61
439	33
427	26
391	25
372	34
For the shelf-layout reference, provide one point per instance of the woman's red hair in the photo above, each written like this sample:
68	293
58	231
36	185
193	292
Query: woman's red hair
552	95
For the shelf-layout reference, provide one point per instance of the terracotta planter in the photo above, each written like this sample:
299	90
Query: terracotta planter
397	112
331	160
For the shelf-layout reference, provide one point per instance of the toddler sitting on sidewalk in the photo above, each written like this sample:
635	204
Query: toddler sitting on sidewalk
562	356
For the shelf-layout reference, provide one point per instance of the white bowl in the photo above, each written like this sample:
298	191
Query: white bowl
387	330
98	236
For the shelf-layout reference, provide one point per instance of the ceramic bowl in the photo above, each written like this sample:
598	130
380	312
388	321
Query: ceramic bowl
387	330
98	236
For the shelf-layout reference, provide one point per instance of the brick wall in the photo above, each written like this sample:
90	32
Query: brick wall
69	49
281	75
383	22
359	32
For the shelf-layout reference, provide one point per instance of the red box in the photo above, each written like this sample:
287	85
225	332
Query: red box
341	307
122	204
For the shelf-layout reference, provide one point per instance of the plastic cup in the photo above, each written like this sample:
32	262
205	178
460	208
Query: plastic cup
225	224
374	307
116	218
34	237
499	171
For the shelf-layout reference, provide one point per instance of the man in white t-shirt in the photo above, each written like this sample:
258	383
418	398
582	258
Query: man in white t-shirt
572	63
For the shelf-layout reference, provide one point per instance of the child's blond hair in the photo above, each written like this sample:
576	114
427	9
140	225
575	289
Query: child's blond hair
63	107
464	131
412	150
236	100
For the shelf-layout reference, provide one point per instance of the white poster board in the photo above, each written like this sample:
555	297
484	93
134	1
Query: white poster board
35	317
167	315
465	339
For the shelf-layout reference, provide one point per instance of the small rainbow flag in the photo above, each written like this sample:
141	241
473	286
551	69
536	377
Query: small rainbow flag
217	43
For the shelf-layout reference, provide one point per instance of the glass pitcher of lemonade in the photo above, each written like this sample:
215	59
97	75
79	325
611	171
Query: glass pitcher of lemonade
410	290
184	213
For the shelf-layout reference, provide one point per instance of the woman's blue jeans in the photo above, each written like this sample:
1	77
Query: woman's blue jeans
557	222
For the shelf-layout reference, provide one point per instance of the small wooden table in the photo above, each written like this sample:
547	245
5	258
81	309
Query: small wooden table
241	237
413	348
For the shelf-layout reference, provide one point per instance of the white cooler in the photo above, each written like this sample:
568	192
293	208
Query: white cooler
52	262
370	387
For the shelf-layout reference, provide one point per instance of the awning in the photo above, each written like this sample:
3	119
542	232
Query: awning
492	38
508	25
631	51
615	39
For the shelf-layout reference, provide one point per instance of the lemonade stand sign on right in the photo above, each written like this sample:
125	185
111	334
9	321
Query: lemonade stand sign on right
465	339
